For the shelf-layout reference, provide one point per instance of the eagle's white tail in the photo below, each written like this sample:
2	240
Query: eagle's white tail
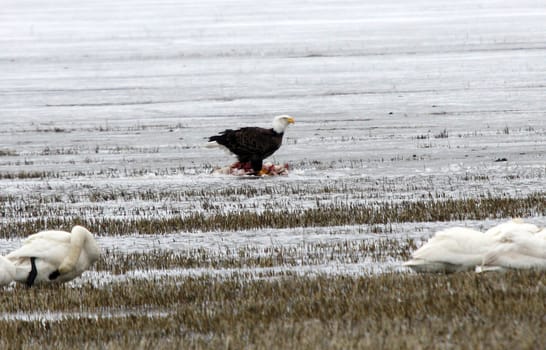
212	144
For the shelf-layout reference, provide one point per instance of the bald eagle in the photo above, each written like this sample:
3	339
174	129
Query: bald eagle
253	144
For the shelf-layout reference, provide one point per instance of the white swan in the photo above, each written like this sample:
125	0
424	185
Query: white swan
541	234
517	250
451	250
7	271
54	256
514	226
462	249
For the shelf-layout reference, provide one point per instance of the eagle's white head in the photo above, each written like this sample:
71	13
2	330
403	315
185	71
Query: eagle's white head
280	123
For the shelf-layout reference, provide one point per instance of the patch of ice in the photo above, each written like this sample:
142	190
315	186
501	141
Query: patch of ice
59	316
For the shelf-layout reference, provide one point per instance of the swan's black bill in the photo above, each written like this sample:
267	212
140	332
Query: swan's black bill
54	275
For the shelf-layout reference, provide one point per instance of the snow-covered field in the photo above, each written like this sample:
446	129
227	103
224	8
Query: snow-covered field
393	100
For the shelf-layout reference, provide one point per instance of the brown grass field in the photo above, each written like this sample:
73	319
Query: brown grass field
404	311
251	305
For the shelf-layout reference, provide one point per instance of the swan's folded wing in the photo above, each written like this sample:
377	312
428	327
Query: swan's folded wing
52	251
541	234
516	226
457	246
52	235
522	252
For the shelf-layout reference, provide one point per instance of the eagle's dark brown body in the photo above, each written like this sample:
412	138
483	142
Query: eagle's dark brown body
250	144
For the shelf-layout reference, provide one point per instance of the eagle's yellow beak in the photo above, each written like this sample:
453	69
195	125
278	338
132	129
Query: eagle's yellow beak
291	120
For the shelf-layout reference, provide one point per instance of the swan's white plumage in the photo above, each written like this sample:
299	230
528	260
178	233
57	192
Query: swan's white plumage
7	271
519	250
541	234
451	250
68	253
515	226
510	244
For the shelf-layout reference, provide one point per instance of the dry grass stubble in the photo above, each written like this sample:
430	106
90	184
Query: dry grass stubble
322	216
388	311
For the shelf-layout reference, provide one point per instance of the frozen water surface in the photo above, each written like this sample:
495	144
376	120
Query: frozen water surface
393	101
